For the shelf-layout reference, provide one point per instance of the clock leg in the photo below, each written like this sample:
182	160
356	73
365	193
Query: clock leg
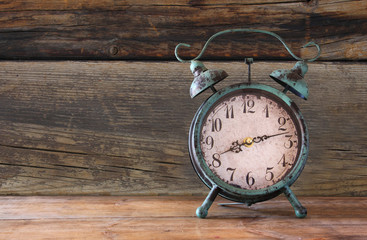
300	210
202	211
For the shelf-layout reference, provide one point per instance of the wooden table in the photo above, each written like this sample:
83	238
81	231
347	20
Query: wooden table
167	217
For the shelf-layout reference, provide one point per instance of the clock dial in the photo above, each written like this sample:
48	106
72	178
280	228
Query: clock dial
250	139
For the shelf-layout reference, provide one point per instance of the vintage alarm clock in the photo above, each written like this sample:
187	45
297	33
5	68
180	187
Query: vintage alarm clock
249	142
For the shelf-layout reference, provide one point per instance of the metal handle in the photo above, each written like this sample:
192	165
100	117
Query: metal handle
254	31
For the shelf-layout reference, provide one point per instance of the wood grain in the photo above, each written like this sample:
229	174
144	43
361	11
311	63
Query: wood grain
120	128
174	218
133	30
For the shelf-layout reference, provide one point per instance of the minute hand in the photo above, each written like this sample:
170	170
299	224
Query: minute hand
264	137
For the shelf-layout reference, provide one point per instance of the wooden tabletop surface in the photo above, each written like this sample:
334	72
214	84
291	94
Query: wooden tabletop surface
168	217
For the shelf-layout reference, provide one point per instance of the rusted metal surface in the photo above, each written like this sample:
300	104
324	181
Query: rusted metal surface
293	79
204	78
234	192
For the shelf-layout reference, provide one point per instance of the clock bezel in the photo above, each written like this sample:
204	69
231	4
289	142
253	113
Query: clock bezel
227	190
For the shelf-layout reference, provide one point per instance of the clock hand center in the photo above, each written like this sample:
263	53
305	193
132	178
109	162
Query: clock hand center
236	146
249	142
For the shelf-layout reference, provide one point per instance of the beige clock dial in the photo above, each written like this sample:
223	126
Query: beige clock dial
250	140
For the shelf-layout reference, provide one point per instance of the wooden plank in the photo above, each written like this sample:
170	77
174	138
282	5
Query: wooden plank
120	128
150	30
174	218
54	5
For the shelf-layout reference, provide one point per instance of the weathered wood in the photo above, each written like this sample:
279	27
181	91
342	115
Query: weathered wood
174	218
120	128
151	29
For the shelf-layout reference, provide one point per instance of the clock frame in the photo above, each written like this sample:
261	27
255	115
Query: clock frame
229	191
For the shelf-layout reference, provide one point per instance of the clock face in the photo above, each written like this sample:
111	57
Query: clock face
250	139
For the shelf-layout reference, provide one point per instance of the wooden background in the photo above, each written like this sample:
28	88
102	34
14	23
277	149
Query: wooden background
93	101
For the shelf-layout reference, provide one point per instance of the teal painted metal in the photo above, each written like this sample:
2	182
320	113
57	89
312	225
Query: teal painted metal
299	210
204	78
226	190
252	31
249	61
292	79
202	211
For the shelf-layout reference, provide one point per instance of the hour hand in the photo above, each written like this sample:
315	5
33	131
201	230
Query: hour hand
235	147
